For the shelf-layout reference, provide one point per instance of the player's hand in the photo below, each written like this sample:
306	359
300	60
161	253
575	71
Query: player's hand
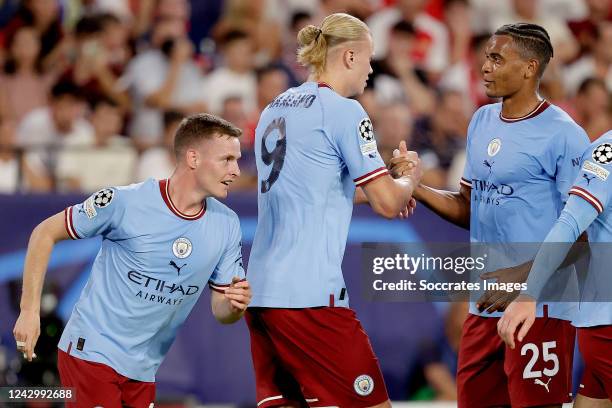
239	294
409	210
26	332
405	163
498	300
521	312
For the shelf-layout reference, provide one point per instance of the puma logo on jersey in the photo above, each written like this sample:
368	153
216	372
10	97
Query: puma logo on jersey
542	383
178	268
587	178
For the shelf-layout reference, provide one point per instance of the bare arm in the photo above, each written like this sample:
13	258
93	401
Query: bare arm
229	307
388	197
42	240
453	207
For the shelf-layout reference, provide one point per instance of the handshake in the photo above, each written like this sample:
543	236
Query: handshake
406	165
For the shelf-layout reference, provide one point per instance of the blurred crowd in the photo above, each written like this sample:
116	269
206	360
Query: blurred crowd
91	91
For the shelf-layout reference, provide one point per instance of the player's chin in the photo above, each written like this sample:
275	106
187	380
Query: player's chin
221	192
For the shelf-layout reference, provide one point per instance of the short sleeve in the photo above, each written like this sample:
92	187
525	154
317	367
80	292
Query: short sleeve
356	142
97	215
568	159
593	182
230	265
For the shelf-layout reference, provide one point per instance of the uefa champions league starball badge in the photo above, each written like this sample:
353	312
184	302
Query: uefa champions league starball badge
181	247
494	147
103	197
603	153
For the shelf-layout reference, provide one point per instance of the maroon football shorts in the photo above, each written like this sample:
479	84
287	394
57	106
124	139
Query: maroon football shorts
537	372
98	385
596	348
316	357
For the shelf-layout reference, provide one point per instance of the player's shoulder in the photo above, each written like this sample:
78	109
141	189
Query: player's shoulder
217	209
562	120
126	194
600	149
487	111
341	106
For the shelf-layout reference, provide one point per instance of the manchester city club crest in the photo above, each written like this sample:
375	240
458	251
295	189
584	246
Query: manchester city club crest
181	247
364	385
494	147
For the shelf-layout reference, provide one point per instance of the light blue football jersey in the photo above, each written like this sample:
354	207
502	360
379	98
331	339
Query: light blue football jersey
312	147
151	269
594	185
519	172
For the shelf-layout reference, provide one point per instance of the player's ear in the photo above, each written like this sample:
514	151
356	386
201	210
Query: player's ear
532	68
348	58
192	157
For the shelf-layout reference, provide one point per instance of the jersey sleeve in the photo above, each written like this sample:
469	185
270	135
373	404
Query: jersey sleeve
97	215
355	141
568	158
593	182
573	221
230	265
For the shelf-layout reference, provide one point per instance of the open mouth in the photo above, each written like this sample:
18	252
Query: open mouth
226	182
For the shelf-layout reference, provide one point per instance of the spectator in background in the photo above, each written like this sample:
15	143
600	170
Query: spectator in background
272	80
91	70
592	109
597	63
393	124
233	111
466	58
107	159
158	162
299	20
115	40
439	137
565	45
396	79
431	49
45	129
235	77
19	171
585	30
44	17
161	79
249	17
23	85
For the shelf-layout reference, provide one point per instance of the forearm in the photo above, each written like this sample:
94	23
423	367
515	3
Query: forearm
37	259
162	97
553	254
223	311
452	206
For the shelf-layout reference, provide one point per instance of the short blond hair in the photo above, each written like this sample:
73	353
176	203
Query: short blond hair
335	29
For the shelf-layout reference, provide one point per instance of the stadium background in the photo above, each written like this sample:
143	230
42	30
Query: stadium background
87	100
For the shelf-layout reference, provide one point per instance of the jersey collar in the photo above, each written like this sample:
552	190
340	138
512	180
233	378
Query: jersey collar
539	109
164	188
325	85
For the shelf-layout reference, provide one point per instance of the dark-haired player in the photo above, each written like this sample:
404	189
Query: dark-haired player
161	241
522	156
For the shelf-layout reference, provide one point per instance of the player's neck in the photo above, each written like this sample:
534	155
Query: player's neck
336	85
520	104
184	194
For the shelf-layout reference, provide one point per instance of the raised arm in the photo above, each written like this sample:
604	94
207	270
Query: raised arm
42	240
